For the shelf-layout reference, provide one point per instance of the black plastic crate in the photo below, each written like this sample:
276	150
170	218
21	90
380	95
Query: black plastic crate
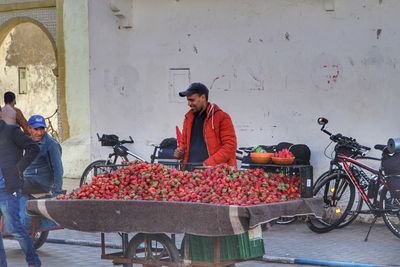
304	171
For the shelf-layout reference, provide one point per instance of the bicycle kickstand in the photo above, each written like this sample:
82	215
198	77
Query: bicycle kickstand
370	227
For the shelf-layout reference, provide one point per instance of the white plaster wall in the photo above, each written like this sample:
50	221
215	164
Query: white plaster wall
274	66
77	65
76	149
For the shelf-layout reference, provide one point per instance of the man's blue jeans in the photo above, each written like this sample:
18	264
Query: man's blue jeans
3	262
9	207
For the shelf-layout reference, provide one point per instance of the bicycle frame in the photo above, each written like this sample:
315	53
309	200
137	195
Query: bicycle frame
113	157
343	162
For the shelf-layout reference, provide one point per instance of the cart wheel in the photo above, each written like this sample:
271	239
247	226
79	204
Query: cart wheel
39	239
152	247
285	220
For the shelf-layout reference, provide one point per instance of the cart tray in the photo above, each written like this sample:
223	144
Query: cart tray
166	217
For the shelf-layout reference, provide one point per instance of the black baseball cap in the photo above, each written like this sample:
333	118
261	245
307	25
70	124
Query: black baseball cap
195	88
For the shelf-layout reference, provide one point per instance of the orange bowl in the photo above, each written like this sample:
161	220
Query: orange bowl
261	158
283	161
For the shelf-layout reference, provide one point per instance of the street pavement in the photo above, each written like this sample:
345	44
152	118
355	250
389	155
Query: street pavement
342	247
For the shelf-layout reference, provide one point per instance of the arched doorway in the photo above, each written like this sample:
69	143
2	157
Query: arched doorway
28	67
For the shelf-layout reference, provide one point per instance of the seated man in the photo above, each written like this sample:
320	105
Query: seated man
45	173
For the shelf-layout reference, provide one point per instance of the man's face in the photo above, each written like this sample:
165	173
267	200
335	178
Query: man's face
37	134
197	102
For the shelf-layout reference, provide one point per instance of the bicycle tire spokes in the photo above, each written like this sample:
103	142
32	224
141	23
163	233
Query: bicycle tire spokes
391	215
338	191
338	194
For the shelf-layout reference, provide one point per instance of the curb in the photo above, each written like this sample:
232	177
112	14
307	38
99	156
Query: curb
285	260
78	242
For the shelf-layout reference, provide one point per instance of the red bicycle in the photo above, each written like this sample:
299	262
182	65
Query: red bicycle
348	178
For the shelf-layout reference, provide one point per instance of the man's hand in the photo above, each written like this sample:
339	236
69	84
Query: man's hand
178	153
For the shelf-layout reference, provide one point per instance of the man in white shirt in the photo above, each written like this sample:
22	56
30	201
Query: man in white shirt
11	114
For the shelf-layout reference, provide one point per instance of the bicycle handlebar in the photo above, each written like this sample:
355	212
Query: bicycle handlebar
114	138
130	141
245	149
345	141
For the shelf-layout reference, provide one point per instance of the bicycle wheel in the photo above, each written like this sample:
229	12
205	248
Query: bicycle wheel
391	216
357	204
285	220
95	168
322	177
40	238
338	195
354	211
152	247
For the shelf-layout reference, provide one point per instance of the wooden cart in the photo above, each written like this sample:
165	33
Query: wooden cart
152	219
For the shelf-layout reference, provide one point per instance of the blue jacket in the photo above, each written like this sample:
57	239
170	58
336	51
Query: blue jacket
47	169
13	142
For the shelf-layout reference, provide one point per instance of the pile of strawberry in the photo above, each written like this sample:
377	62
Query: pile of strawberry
284	153
218	185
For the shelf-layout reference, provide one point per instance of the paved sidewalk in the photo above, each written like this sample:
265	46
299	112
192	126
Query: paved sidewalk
343	245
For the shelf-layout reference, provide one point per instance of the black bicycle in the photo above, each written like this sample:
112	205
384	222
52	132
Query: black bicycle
348	177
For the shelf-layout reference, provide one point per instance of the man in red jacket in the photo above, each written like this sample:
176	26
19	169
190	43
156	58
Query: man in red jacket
209	137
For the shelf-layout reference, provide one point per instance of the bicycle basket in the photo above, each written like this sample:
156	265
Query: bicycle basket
394	185
166	148
165	153
302	154
109	140
169	143
391	163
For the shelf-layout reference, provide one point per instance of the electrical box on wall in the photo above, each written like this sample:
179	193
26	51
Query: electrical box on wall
123	11
179	80
329	5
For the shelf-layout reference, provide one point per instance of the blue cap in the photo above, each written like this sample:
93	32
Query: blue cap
37	121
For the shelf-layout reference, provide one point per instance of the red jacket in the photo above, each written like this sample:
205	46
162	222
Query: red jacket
219	136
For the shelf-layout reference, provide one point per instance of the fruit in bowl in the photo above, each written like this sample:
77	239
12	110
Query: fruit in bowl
283	161
261	157
283	157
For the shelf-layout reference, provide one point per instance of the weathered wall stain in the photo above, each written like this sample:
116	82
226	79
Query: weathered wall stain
258	82
333	73
327	71
374	57
28	47
378	33
215	79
